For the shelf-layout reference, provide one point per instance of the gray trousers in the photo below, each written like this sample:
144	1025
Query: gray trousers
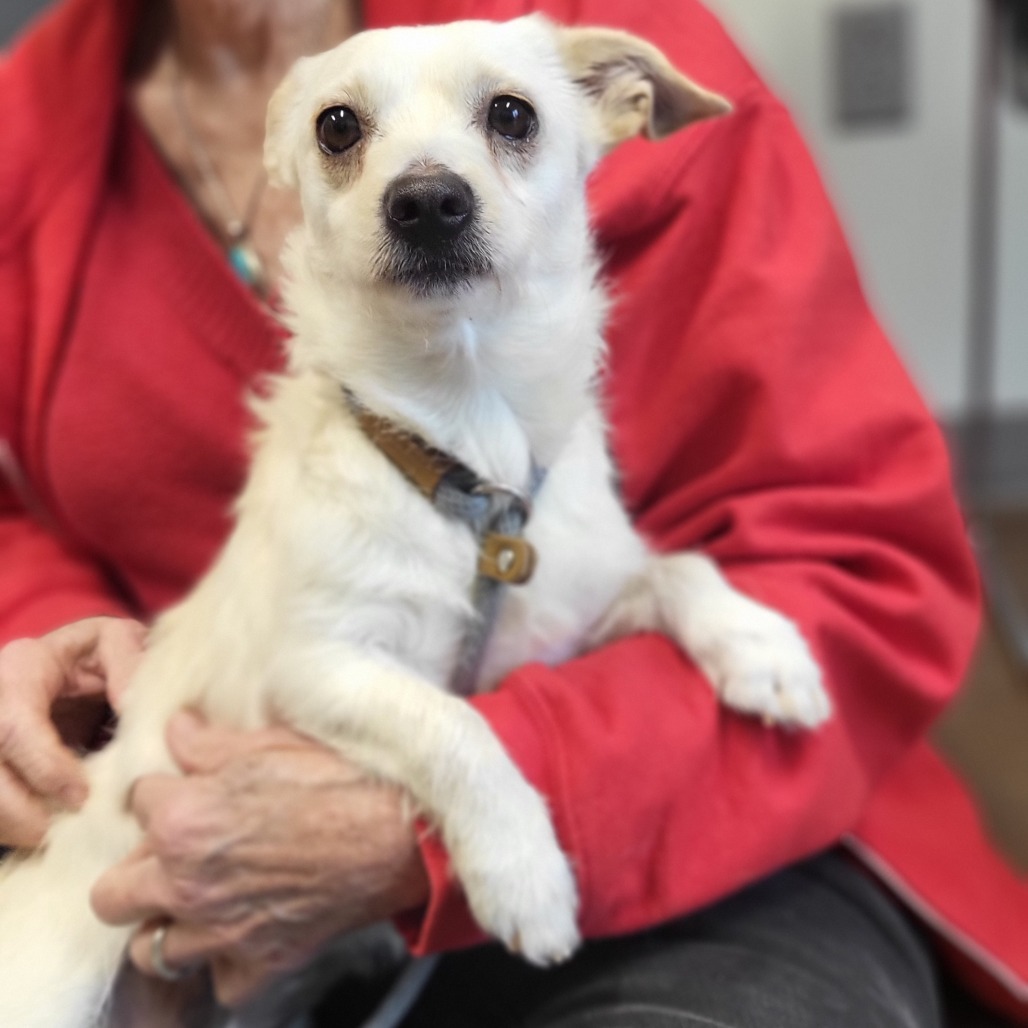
817	946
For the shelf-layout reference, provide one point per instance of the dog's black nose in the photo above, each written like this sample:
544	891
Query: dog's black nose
430	208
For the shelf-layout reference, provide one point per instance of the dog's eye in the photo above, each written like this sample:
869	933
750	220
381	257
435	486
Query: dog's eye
512	117
338	129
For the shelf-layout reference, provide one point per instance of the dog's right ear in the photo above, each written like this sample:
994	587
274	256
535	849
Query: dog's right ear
280	135
632	87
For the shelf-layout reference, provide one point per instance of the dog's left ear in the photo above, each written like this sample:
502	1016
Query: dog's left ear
633	87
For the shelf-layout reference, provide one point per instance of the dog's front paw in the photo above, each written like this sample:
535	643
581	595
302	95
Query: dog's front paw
759	664
520	888
528	904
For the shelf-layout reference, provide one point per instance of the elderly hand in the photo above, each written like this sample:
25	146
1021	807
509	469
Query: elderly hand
83	664
268	847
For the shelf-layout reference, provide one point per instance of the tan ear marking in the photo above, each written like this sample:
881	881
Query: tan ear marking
632	86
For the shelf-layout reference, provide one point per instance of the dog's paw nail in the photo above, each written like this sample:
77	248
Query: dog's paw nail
562	957
545	959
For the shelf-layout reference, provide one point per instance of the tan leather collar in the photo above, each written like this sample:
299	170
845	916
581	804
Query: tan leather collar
424	466
504	555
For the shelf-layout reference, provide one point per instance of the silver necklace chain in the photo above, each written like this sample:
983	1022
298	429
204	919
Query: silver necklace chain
242	254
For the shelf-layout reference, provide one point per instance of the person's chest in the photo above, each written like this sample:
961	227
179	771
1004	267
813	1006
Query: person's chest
145	434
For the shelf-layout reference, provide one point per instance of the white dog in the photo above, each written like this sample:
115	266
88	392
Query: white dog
447	319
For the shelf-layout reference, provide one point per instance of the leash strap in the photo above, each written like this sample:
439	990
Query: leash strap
502	524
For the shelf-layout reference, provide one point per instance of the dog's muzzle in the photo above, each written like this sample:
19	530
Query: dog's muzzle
433	241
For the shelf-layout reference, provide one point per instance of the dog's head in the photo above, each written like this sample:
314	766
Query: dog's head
434	159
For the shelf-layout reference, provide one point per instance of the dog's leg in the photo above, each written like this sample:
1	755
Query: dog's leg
755	658
495	825
57	960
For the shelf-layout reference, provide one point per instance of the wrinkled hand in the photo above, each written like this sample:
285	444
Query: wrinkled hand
82	664
269	846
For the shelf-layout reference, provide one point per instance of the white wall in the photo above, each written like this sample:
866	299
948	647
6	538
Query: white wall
904	192
1012	364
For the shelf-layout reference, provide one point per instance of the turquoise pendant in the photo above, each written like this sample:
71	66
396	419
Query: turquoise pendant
247	265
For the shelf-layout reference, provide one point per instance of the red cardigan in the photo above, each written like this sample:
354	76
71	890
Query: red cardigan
758	412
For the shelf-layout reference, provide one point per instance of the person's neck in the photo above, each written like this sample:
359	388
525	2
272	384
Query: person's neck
218	42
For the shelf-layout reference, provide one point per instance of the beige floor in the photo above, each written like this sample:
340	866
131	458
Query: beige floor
985	733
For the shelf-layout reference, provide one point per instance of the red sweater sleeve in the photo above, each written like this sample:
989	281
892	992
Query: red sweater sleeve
761	415
43	584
